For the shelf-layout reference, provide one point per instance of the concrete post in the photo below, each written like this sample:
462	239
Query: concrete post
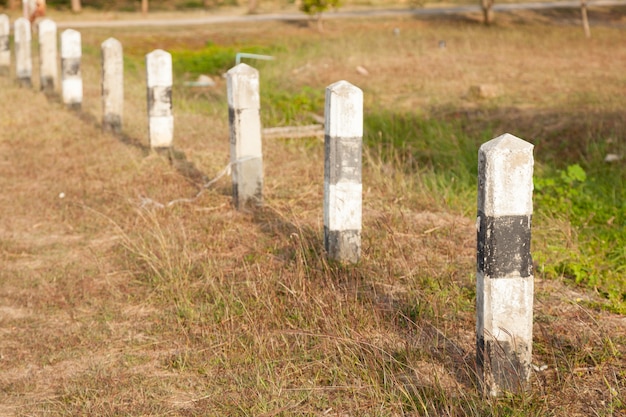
5	50
72	84
245	135
343	188
112	85
159	80
23	58
48	73
504	279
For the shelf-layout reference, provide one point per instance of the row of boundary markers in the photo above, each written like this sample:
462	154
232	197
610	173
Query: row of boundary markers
504	299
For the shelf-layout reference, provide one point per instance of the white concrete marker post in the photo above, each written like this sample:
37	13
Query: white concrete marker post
23	58
5	50
159	81
504	287
72	82
48	72
245	135
112	85
343	187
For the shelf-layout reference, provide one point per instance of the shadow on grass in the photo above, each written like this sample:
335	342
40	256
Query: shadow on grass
176	158
424	349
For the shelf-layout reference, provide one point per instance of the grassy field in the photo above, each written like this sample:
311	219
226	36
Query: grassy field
111	304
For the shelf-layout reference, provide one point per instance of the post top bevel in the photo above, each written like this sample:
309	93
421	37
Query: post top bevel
159	68
343	87
505	175
506	141
243	69
158	53
47	25
112	43
343	110
69	33
22	30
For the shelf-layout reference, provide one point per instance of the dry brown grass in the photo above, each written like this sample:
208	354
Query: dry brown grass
110	305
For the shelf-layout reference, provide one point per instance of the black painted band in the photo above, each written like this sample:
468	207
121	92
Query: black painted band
504	246
342	160
336	241
70	66
160	101
504	362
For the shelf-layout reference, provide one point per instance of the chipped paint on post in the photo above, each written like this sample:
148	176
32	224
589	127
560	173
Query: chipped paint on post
159	94
504	287
246	156
343	188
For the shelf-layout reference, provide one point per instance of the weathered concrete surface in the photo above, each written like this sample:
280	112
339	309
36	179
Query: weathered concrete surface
72	81
246	155
48	56
23	57
112	85
504	281
343	188
159	80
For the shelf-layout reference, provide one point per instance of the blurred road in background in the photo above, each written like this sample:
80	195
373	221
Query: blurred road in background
341	14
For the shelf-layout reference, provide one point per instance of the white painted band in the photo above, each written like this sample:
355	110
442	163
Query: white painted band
72	90
243	87
21	28
161	131
47	26
48	63
159	68
71	44
248	134
344	110
343	206
507	308
507	177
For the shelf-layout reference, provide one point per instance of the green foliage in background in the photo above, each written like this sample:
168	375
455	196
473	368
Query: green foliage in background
586	197
213	59
313	7
589	202
426	143
594	205
283	107
440	155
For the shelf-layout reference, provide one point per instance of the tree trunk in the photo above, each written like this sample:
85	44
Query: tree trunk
487	6
144	7
583	9
77	7
12	4
253	5
320	23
